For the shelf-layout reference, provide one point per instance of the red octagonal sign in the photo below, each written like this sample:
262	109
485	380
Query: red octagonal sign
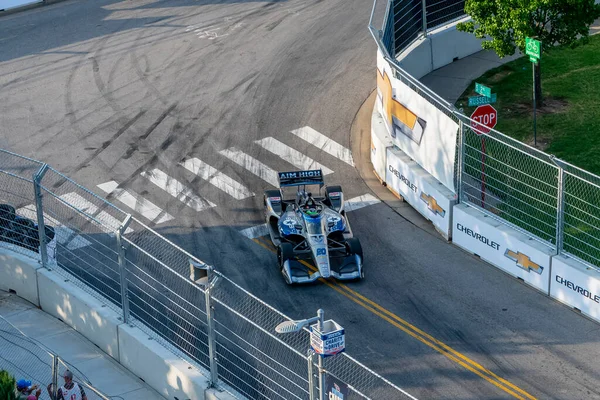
484	119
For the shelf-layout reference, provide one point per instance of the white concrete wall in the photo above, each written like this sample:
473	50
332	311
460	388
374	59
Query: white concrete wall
81	311
18	273
502	246
576	285
166	373
439	48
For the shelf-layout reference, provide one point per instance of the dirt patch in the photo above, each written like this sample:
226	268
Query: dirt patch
542	143
498	76
552	105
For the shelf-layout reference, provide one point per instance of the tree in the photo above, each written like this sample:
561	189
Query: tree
7	386
506	23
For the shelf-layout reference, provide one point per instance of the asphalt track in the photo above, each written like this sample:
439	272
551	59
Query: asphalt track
105	90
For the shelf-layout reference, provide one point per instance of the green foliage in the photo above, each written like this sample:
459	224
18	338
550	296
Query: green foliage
506	23
7	386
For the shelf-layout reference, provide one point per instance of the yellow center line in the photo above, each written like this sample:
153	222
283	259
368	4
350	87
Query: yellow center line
417	333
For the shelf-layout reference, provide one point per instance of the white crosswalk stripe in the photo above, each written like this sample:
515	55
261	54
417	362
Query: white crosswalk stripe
178	190
217	178
107	222
251	164
324	143
353	204
291	155
136	202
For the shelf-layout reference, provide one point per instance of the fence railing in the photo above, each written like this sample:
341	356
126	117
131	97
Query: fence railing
536	193
218	326
25	358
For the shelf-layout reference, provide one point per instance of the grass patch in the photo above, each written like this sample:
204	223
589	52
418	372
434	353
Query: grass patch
568	125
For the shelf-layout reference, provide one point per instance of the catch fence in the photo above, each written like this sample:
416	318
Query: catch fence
225	331
546	198
25	358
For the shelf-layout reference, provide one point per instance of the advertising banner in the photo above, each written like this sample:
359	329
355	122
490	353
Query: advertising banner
502	246
574	284
335	389
329	342
419	189
417	127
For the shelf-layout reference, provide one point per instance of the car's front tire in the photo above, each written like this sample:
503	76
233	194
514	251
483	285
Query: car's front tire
285	251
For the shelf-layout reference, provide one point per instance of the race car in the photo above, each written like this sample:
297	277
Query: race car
311	228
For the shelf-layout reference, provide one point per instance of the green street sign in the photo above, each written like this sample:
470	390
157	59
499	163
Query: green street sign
481	100
533	48
483	90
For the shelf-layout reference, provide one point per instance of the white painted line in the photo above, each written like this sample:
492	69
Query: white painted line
353	204
290	155
259	169
136	202
324	143
177	190
65	236
255	231
217	178
108	223
359	202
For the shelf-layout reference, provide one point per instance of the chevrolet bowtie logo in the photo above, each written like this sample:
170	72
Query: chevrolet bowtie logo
523	261
433	205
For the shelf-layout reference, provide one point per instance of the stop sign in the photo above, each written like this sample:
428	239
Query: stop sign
484	118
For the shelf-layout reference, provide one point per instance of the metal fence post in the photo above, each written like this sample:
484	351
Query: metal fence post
212	348
461	158
560	210
123	268
311	383
39	208
202	275
54	376
424	7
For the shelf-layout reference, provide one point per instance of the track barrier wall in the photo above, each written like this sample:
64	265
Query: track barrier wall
526	212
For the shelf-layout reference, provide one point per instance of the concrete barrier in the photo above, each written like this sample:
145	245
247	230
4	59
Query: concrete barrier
502	246
441	47
78	309
18	273
380	141
166	373
422	191
576	285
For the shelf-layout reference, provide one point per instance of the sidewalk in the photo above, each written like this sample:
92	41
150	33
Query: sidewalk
452	80
101	370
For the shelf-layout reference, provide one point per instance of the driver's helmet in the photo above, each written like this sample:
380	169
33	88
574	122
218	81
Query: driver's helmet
311	212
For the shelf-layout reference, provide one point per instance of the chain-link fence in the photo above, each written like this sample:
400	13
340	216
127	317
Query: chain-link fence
24	358
218	326
555	202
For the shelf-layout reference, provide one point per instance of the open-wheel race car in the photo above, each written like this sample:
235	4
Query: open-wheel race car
311	228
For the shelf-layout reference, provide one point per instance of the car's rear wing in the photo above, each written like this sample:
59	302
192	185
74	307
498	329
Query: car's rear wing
298	178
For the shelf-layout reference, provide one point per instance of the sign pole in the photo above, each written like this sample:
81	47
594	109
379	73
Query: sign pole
321	315
534	107
533	48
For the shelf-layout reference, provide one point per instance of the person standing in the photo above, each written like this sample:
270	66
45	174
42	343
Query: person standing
24	390
70	390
